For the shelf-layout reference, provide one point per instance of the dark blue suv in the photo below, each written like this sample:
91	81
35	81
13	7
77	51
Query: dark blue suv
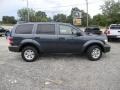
32	39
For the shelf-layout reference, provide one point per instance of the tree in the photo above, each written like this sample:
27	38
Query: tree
41	16
100	20
38	16
23	14
60	18
8	20
111	10
84	16
69	19
74	9
49	19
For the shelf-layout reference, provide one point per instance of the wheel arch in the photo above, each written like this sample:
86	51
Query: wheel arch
89	44
33	44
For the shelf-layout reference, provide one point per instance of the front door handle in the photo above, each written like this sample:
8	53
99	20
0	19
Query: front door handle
61	38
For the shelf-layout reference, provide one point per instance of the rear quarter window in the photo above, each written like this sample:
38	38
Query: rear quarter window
24	29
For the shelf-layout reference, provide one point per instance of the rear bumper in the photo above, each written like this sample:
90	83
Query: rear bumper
114	36
13	48
107	48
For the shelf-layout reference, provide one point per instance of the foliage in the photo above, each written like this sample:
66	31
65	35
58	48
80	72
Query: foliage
84	16
23	14
8	20
69	19
38	16
110	14
100	20
60	18
111	10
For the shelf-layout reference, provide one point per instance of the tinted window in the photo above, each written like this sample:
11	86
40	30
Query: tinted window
115	27
65	29
90	29
24	29
45	29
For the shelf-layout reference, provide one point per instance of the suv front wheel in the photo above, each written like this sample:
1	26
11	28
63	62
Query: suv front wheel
29	54
94	53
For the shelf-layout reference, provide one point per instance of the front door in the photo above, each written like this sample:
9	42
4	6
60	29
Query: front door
68	41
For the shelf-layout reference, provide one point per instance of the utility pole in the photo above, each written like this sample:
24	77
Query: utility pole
28	15
87	13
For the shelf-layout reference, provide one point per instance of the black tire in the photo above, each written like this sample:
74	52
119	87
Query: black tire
90	52
31	49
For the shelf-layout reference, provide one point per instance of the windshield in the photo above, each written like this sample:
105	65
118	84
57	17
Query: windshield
115	27
91	29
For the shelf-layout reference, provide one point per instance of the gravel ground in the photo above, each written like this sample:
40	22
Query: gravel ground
59	72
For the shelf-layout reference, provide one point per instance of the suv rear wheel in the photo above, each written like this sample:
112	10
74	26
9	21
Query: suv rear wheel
29	54
94	53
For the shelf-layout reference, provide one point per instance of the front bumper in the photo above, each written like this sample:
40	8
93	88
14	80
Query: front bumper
107	48
13	48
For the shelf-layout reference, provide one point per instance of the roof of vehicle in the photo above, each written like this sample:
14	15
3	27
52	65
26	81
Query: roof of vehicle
45	23
93	26
114	24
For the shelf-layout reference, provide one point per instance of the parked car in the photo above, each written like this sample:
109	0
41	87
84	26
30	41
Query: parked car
2	31
93	30
113	31
32	39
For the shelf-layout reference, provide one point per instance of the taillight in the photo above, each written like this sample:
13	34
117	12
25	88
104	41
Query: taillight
108	32
10	40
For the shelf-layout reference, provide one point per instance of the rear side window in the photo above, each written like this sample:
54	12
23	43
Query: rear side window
24	29
45	29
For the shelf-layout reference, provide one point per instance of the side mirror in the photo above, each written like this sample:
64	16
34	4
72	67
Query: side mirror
78	34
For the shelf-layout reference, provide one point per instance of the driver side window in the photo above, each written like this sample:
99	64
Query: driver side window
74	31
65	30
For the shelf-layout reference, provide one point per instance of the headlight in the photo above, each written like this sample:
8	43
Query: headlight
106	41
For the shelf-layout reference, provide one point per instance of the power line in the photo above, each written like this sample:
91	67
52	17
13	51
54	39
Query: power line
70	5
87	11
28	10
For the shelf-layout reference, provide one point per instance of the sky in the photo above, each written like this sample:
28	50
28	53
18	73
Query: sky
51	7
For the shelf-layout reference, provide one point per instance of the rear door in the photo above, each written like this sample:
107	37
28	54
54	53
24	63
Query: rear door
46	36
